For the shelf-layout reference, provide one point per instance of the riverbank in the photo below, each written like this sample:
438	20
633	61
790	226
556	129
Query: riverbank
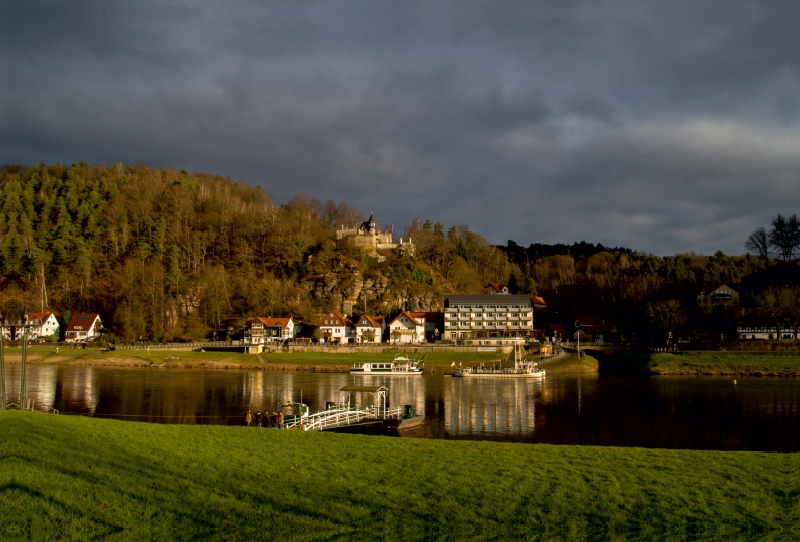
704	363
436	362
76	478
572	364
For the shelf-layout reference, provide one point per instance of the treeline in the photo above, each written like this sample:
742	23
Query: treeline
169	255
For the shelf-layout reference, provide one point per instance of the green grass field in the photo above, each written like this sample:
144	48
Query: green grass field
78	478
709	362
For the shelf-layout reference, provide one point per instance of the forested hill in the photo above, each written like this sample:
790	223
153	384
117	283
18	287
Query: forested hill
536	251
167	255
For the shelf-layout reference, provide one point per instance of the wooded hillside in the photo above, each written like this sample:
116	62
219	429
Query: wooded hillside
168	255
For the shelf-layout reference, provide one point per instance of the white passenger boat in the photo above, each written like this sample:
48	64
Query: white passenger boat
401	365
521	369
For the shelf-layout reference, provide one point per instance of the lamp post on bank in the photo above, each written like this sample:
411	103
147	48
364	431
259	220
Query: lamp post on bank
2	364
24	326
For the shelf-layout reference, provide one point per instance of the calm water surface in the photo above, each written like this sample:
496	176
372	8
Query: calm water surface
664	412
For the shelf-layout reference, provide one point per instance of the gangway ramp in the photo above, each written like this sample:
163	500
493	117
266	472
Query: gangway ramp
346	413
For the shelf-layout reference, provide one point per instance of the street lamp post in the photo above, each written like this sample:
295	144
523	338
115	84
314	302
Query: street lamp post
23	384
2	364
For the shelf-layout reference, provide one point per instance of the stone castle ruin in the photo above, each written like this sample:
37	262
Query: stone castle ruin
367	238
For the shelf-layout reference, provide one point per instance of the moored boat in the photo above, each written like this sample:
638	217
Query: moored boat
522	369
401	365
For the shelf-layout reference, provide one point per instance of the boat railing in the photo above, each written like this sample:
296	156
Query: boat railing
338	416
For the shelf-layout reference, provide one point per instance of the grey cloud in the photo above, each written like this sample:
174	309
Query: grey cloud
665	127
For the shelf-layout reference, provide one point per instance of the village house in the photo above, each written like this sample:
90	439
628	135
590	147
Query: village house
335	328
592	329
262	330
762	331
406	328
84	327
496	288
43	324
556	332
377	324
720	295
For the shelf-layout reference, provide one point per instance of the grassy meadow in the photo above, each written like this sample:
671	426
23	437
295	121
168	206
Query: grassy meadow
711	363
79	478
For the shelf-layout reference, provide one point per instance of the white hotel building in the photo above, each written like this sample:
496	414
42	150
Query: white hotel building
494	320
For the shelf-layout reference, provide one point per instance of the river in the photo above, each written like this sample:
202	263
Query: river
659	411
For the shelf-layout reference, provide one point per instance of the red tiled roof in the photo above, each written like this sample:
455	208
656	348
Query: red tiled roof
376	321
338	314
271	322
594	321
83	319
411	316
498	287
538	300
558	329
40	317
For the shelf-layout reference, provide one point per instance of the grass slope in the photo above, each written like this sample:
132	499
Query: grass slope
572	364
80	478
712	363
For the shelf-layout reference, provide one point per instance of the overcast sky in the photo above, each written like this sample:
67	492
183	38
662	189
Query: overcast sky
662	126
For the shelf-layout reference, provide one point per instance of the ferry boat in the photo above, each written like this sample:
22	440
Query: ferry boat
521	369
401	365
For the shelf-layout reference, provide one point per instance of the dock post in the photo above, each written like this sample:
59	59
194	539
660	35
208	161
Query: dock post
2	366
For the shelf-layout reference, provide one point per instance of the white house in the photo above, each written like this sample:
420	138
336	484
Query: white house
84	327
408	327
44	324
756	331
375	323
261	330
335	328
496	288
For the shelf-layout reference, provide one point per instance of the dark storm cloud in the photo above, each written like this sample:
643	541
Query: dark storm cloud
661	126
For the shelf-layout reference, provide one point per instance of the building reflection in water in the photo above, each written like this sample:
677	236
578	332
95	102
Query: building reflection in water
79	390
491	407
660	412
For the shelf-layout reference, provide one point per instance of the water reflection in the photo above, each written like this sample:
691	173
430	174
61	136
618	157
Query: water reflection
491	408
664	412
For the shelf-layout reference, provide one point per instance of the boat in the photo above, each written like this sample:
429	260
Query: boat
401	365
522	369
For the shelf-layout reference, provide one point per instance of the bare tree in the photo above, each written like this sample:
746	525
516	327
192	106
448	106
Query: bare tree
785	236
771	304
758	242
667	315
791	301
